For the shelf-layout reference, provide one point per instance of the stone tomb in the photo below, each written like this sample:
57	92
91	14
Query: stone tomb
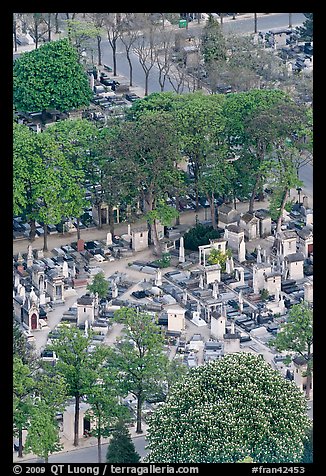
235	241
139	238
176	318
227	216
250	225
294	266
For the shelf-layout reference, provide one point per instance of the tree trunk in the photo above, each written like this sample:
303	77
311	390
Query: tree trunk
15	34
49	26
76	423
46	459
146	82
279	220
290	20
210	198
255	22
32	232
138	426
177	205
114	54
99	456
20	443
253	194
36	34
56	23
111	220
99	51
99	226
130	66
156	242
78	229
45	244
221	16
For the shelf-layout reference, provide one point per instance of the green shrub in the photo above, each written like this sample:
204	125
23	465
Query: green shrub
199	235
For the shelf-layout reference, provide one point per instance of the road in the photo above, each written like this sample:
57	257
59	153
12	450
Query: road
89	454
241	26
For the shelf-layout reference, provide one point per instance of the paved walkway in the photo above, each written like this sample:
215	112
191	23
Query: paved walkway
58	239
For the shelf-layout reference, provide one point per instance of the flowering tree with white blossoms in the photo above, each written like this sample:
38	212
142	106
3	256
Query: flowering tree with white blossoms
227	410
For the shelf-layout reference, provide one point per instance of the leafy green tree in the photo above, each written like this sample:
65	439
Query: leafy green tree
256	122
230	409
200	125
139	356
77	365
23	388
216	177
43	433
213	42
46	183
175	371
296	335
99	285
106	410
218	257
121	448
50	78
147	150
80	33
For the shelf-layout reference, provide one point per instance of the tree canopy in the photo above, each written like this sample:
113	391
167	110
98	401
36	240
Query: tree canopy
227	410
50	77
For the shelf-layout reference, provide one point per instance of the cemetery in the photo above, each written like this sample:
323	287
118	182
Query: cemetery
205	310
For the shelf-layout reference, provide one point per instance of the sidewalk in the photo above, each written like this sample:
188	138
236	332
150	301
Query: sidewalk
58	239
83	443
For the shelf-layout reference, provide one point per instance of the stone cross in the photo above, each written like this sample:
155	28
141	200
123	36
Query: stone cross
181	251
201	282
264	255
29	251
258	254
129	230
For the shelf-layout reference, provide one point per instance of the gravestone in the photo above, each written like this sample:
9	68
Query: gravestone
158	279
80	245
181	251
65	270
40	254
109	239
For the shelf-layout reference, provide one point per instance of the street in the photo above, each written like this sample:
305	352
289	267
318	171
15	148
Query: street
242	26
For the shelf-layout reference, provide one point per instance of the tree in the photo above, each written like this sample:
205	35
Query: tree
43	433
227	410
99	285
145	49
121	448
139	356
128	36
98	20
77	365
217	257
80	33
163	56
147	150
46	189
36	25
213	42
50	78
105	407
296	335
23	388
308	447
199	235
306	30
200	124
21	348
113	27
